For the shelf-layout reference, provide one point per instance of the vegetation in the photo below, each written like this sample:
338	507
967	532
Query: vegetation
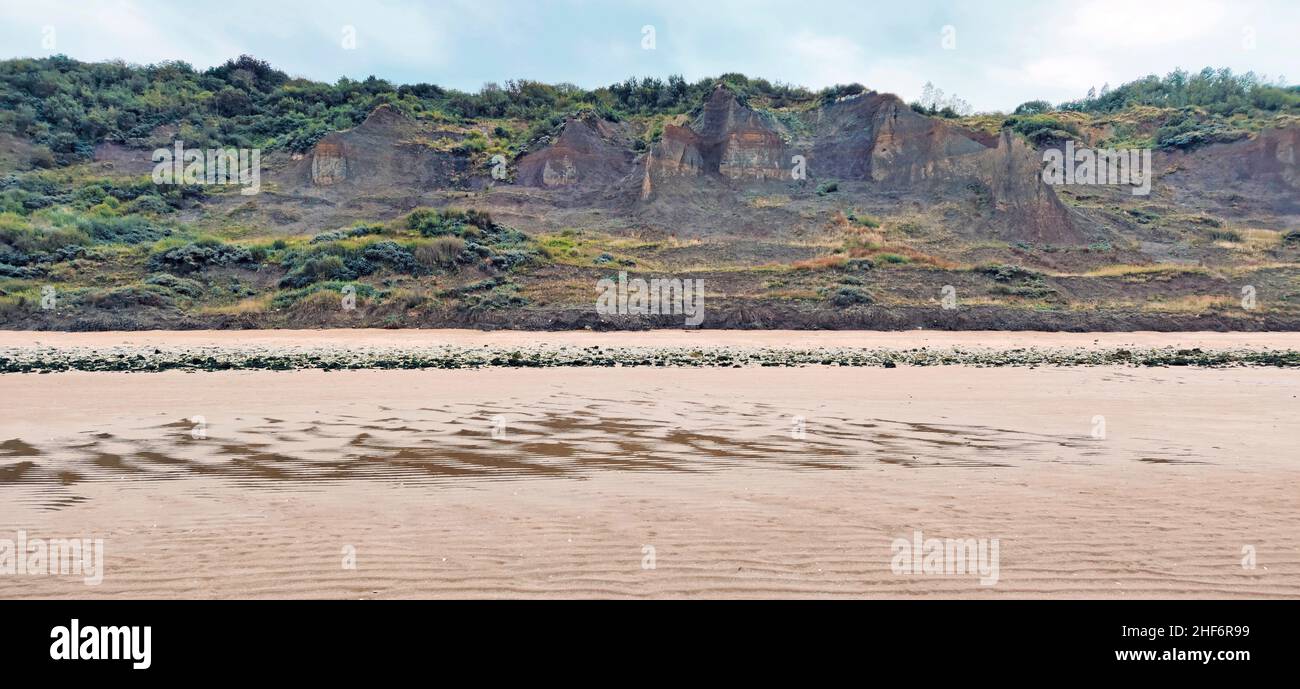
67	106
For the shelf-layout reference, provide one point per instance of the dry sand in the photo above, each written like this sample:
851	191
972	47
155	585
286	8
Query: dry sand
593	465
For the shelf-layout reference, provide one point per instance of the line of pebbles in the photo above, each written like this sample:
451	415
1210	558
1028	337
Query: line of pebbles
236	358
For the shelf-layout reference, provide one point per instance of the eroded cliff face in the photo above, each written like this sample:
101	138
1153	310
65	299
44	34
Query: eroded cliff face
587	152
878	137
726	139
329	165
387	150
1022	203
1254	177
696	177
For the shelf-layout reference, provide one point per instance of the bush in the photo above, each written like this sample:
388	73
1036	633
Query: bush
442	252
828	188
1189	133
291	297
332	261
849	296
150	203
18	237
130	297
1033	107
503	297
1041	129
125	230
347	233
316	269
200	255
394	256
182	286
1007	273
432	223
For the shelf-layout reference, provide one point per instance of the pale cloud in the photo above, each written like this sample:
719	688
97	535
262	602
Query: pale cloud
1008	52
1143	24
828	60
1073	74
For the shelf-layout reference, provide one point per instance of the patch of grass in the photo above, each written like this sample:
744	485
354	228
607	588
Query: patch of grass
1195	303
1138	271
771	201
862	219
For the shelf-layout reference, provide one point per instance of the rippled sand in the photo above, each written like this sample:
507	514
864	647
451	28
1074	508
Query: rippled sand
553	482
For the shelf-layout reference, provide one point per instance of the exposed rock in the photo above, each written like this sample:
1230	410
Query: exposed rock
1256	175
328	163
727	139
1028	209
387	150
588	151
697	179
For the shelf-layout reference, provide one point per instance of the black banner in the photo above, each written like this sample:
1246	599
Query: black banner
937	639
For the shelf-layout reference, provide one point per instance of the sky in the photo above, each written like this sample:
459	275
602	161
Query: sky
993	54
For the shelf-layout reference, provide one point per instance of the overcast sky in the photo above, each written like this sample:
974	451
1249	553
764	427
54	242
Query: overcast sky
1003	53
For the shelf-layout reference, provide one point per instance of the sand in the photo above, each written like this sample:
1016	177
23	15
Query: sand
588	469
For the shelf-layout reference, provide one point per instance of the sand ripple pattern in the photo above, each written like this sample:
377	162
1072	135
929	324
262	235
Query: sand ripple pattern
563	437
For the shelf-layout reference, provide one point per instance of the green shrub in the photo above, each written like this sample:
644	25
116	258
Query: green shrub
849	296
182	286
196	256
1189	129
1041	129
347	233
123	230
433	223
290	297
442	252
1007	273
130	297
150	203
502	297
1033	107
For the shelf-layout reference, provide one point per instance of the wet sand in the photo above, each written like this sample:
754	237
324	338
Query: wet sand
552	483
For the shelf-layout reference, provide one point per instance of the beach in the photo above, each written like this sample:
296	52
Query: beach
717	482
